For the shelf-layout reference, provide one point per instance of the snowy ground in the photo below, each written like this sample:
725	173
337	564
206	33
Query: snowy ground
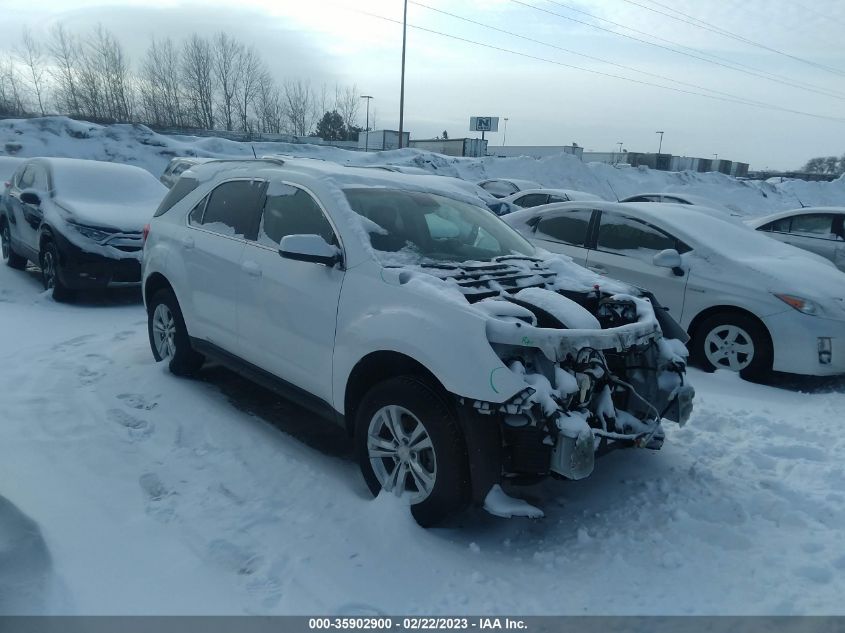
128	490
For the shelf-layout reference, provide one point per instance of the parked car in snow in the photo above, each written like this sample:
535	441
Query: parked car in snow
8	166
536	197
684	198
816	229
176	166
750	305
81	221
456	354
502	187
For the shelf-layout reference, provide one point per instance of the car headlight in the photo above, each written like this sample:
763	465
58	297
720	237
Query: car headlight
90	232
799	303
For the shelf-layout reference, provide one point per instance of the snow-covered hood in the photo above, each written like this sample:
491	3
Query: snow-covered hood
126	215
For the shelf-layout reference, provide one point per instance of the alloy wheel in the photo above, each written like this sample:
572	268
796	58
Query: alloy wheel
164	331
729	347
401	453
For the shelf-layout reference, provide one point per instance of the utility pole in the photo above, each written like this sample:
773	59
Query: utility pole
505	135
367	141
402	89
660	148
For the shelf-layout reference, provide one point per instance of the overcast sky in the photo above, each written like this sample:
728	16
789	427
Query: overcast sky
449	80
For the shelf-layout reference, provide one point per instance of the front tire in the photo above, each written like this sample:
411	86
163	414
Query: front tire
10	257
409	444
169	338
50	272
736	342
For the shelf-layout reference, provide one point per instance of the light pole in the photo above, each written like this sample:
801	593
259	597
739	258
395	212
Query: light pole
367	141
619	143
660	147
505	134
402	89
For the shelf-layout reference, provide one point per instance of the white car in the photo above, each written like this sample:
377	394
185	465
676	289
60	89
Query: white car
502	187
816	229
8	166
456	354
750	304
684	198
528	198
176	166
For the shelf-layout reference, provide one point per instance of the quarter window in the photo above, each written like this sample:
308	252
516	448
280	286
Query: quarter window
232	208
26	177
778	226
570	228
629	236
553	198
290	210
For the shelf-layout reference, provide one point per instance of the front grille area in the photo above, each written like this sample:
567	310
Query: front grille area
481	280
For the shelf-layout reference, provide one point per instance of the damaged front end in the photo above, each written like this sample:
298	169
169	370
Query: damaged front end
588	390
601	371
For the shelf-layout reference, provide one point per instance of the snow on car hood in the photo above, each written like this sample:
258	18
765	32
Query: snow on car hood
128	216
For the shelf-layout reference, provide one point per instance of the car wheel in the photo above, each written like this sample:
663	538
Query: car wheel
169	338
735	342
50	263
10	257
409	444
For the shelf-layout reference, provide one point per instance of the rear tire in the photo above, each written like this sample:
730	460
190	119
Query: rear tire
736	342
50	272
408	442
169	338
10	257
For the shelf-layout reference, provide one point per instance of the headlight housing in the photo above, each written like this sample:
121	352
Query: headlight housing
90	232
799	303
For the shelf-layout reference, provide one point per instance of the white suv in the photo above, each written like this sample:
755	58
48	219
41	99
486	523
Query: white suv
455	353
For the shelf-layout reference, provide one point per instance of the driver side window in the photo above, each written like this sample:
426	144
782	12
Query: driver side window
632	237
289	210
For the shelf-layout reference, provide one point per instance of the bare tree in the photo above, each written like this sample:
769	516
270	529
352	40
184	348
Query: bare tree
268	106
160	85
299	104
227	60
64	51
348	104
11	93
198	80
31	55
251	73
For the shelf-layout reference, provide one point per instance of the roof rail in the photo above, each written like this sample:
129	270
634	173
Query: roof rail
265	159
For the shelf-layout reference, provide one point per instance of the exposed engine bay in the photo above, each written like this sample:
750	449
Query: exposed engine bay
601	369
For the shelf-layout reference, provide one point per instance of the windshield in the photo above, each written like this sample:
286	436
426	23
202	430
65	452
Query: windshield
423	226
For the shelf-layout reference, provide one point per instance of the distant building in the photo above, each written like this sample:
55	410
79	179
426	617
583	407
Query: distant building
535	151
668	162
452	146
380	140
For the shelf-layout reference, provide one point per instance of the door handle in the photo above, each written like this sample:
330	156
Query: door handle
188	242
251	268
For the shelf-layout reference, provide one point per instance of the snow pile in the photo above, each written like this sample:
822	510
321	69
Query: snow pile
138	145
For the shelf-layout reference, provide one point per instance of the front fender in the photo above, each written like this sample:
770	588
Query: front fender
446	338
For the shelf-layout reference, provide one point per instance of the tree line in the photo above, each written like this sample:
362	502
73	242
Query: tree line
212	82
826	165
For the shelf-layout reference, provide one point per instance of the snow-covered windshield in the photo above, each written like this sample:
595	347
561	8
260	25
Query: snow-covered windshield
416	226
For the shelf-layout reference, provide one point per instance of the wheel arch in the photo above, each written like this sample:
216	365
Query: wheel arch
696	322
376	367
153	283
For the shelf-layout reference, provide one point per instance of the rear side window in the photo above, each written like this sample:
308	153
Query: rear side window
289	210
532	200
570	228
182	188
233	208
778	226
816	225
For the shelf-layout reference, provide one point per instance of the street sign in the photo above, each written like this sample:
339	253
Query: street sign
484	124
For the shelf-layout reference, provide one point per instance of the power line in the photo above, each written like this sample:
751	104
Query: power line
736	66
708	26
592	57
598	72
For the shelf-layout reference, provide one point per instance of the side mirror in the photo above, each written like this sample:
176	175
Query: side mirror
670	258
309	248
30	197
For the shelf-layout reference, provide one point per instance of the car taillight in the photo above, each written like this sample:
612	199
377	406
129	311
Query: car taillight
146	233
